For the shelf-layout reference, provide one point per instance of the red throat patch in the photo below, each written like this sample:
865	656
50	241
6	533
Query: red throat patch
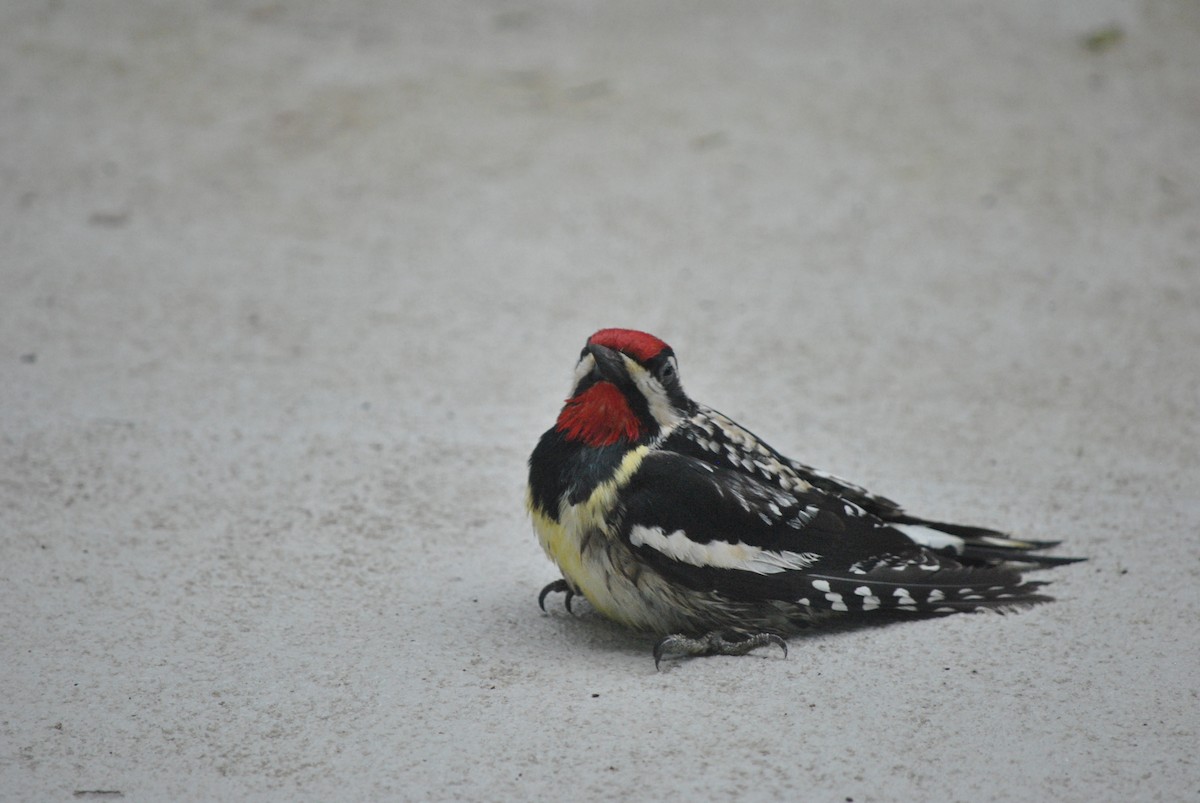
639	345
599	416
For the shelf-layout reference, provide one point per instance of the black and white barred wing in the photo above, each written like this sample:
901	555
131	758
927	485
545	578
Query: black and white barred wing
748	540
718	439
715	438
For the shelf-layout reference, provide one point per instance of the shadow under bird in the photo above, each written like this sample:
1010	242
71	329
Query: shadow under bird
671	518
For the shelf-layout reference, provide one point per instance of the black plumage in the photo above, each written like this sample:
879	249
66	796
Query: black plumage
671	517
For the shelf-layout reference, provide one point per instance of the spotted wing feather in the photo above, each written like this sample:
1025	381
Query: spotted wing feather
717	439
749	540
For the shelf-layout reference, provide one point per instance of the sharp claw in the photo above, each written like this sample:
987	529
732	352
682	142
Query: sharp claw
658	651
557	586
715	643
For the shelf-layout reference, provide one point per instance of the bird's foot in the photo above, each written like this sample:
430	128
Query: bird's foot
715	643
556	586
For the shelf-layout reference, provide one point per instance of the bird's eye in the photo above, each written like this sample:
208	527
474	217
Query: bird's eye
666	371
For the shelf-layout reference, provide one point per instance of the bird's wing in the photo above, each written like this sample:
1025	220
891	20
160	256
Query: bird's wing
716	529
873	503
714	438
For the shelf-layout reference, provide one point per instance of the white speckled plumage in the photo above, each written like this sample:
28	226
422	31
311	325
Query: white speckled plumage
670	517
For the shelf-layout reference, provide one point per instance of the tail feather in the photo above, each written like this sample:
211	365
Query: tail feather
978	545
990	555
949	590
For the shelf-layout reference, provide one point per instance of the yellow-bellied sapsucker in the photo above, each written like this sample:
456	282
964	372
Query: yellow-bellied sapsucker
671	518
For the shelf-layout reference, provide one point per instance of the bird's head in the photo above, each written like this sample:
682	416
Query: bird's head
626	389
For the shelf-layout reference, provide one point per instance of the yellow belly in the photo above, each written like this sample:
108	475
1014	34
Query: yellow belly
563	547
562	539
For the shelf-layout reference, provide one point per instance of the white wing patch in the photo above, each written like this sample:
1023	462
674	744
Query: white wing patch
931	538
720	554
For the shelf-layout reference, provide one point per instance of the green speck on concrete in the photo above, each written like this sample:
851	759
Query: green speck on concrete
1103	39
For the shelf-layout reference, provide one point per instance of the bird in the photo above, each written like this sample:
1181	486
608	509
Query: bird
672	519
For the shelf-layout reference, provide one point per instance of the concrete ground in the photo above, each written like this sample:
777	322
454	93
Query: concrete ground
289	290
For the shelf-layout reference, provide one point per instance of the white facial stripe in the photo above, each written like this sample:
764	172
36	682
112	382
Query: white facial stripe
586	364
656	395
719	554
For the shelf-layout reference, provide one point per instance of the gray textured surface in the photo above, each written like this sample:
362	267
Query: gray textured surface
289	290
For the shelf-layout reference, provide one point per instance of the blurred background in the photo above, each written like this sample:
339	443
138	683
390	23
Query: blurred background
288	291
